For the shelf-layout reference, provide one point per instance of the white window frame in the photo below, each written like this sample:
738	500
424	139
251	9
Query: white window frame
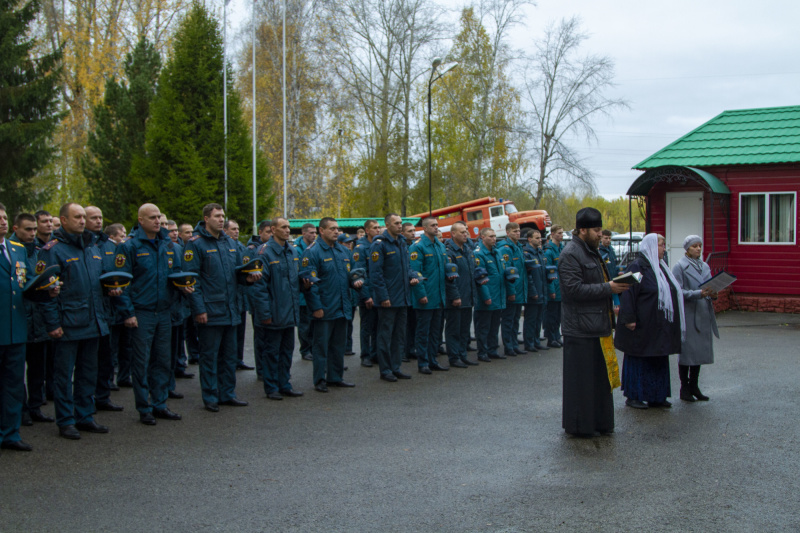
766	196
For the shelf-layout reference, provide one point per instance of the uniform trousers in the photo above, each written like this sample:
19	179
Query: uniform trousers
487	328
35	357
217	362
348	345
105	370
74	380
12	390
175	352
241	329
369	333
428	335
305	331
120	340
458	321
192	342
552	321
275	354
411	328
532	325
151	358
257	347
509	326
328	349
391	338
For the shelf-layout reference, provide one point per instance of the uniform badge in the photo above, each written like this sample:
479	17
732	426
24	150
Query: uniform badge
477	261
21	274
375	256
40	265
356	256
119	261
169	262
505	258
305	261
313	274
188	255
245	260
414	256
348	267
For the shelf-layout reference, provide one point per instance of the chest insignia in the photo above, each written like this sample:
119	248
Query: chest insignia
119	261
305	262
40	266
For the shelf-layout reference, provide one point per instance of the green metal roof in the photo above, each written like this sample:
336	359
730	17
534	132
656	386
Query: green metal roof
297	223
738	137
645	182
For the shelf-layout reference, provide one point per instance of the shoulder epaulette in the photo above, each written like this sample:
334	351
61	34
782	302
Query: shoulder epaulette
194	238
50	244
16	243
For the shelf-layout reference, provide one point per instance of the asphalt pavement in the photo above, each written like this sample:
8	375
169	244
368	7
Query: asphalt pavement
477	449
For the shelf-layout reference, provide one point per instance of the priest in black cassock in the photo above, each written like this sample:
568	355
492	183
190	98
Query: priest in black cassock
587	321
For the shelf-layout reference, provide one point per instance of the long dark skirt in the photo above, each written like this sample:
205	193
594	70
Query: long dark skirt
587	402
646	378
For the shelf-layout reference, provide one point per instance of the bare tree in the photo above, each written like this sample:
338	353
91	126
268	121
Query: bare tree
565	92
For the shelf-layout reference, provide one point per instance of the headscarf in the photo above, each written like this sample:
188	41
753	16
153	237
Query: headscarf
649	250
688	242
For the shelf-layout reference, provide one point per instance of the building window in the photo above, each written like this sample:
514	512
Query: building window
767	218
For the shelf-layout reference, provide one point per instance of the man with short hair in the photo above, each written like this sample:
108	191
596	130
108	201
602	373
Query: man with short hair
590	364
172	228
389	276
214	257
232	230
149	255
409	233
329	303
76	319
366	310
185	232
428	257
275	301
552	317
179	313
516	291
609	257
304	330
492	299
119	338
462	293
13	335
537	291
116	233
56	222
255	242
44	227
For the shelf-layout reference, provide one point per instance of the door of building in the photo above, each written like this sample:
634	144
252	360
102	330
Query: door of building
684	217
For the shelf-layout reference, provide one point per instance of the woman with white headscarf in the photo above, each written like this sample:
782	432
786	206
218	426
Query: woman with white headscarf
650	327
698	348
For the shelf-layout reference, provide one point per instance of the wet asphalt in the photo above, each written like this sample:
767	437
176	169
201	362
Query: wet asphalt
477	449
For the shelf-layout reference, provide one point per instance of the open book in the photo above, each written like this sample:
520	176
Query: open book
629	278
721	280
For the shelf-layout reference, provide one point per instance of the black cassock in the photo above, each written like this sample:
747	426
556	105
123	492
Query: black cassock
587	404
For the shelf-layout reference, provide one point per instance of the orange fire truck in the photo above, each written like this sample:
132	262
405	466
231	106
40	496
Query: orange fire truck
487	213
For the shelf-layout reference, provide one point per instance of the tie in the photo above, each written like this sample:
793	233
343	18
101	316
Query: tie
4	259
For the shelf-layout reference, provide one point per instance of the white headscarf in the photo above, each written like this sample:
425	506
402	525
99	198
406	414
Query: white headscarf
649	250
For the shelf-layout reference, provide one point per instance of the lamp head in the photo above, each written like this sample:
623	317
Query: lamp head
436	62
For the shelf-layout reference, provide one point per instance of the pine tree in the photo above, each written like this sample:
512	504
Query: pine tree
185	142
28	107
119	135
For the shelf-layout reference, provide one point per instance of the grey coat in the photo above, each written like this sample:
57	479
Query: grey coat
698	348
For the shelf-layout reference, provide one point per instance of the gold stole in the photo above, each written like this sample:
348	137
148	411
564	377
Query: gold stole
609	353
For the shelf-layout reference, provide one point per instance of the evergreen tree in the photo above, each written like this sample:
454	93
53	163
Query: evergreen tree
28	107
119	135
185	142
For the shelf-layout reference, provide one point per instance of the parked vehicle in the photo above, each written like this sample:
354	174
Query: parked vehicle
487	212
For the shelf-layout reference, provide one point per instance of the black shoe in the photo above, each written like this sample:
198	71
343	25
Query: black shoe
699	395
108	406
342	384
497	356
519	352
412	356
439	368
665	404
38	416
242	366
182	374
400	375
457	364
510	353
291	393
469	362
484	359
17	446
125	383
541	347
213	407
147	419
69	432
91	427
367	363
405	359
686	396
389	377
349	352
307	357
274	395
166	414
235	402
344	369
424	370
26	419
321	386
636	404
175	395
554	344
194	361
441	351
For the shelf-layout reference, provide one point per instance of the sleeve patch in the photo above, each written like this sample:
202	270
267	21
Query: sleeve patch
188	255
119	261
356	256
375	256
40	266
305	262
414	256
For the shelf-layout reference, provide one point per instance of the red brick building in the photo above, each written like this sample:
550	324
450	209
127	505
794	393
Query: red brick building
734	181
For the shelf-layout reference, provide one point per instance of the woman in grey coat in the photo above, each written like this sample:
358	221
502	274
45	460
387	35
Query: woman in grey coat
698	348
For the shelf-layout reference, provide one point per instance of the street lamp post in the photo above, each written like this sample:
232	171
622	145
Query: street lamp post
437	61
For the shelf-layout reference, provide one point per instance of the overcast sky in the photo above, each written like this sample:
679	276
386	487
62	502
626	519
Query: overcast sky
678	63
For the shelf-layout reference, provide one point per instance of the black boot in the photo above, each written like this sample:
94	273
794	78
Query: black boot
686	390
694	375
